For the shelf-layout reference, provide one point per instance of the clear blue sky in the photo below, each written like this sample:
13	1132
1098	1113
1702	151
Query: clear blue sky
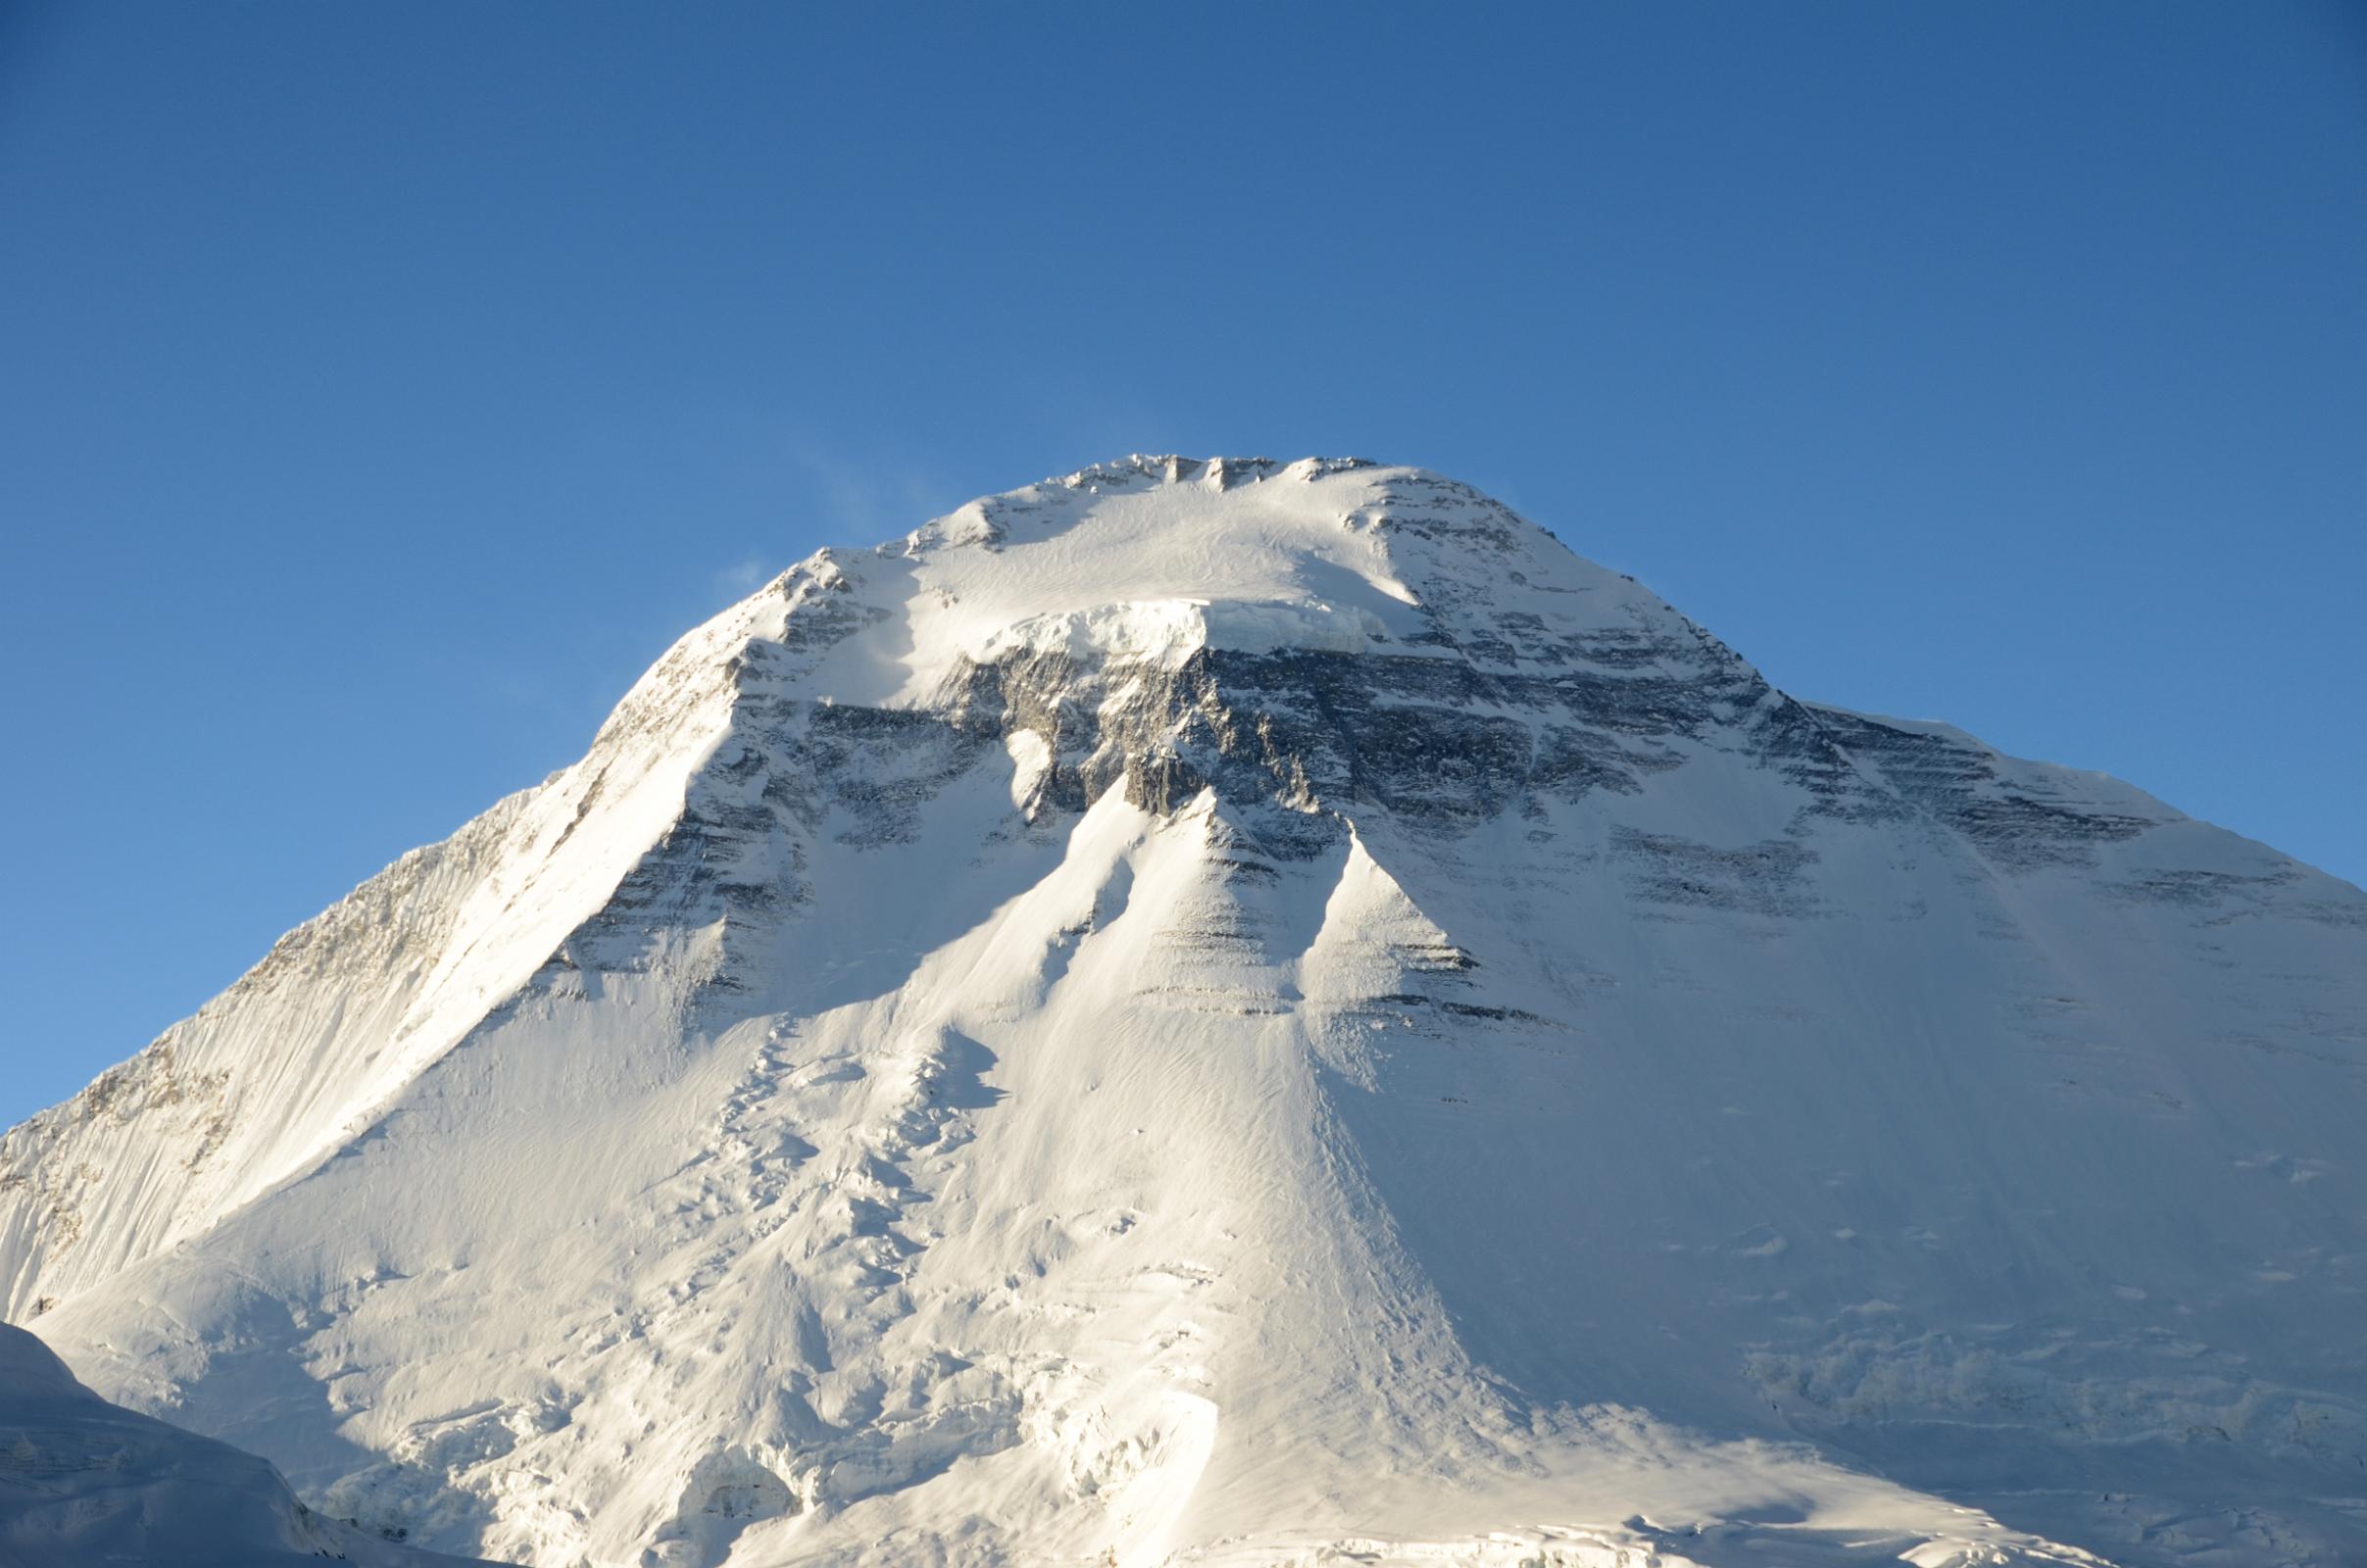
383	386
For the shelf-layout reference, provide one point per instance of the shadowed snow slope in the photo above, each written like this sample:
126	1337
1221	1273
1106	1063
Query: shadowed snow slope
1245	1014
84	1482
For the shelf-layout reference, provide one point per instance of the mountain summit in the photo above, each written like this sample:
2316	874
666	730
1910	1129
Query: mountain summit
1237	1013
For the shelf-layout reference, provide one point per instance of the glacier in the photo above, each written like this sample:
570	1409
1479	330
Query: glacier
1237	1013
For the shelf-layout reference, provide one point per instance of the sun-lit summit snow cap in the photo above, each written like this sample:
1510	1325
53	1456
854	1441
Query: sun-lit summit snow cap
1156	557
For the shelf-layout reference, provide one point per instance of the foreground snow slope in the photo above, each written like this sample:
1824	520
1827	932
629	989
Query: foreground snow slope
1230	1012
84	1482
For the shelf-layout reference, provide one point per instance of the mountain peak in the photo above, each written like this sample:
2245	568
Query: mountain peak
1159	557
1217	472
1230	1011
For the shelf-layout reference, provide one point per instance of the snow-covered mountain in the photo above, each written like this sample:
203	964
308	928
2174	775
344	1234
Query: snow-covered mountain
1252	1014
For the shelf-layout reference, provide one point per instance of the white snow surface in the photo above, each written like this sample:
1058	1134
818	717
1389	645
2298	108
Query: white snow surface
1231	1012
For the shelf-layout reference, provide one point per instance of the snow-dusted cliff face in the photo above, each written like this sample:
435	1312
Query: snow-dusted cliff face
1224	1012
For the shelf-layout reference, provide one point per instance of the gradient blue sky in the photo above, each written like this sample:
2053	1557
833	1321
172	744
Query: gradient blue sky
382	387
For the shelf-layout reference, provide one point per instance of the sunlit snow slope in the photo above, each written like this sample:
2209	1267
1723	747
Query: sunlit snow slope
1233	1012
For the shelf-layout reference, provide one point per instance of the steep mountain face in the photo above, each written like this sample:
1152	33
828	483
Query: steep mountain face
1252	1014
